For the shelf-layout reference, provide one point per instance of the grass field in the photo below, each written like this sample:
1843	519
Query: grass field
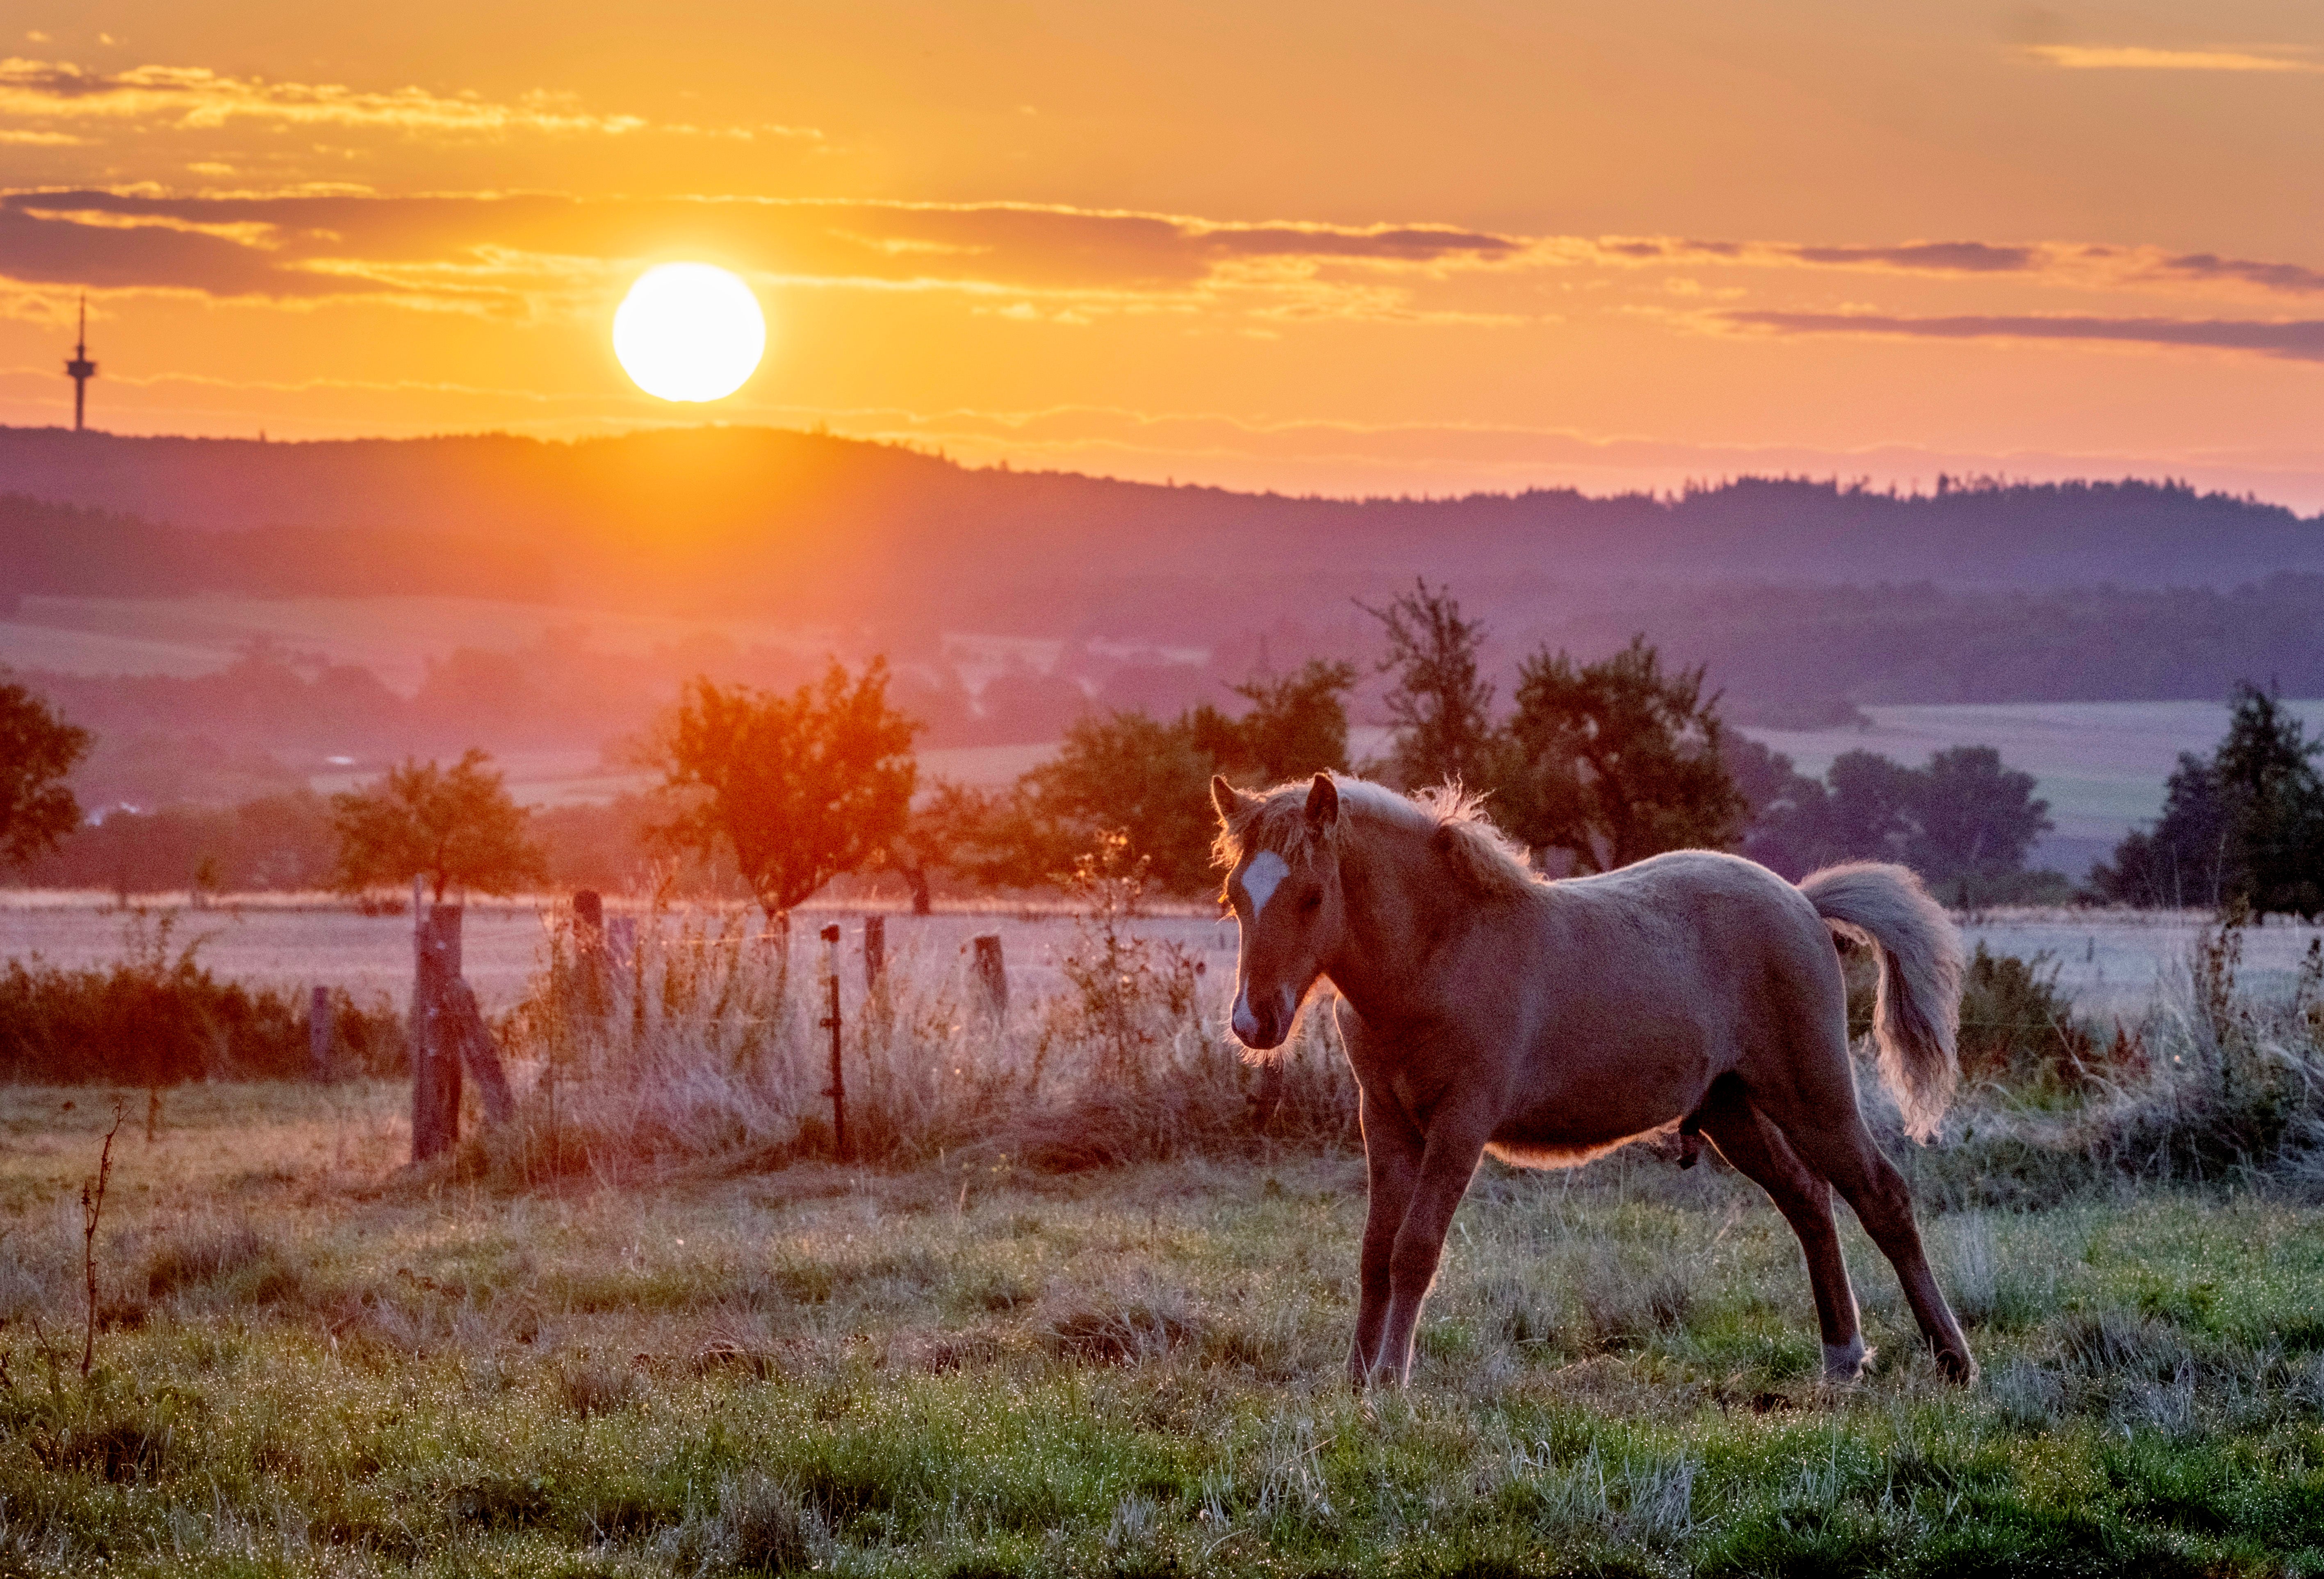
1089	1313
313	1366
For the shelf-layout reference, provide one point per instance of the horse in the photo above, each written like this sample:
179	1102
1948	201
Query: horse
1486	1008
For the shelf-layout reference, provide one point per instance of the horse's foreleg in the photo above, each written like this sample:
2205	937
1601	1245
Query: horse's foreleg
1758	1150
1392	1153
1447	1163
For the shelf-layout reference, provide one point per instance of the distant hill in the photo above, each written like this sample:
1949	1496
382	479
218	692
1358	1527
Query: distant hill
808	525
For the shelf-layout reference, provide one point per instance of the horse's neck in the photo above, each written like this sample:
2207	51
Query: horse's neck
1400	908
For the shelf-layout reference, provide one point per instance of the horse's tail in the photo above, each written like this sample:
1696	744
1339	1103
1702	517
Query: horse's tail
1917	1014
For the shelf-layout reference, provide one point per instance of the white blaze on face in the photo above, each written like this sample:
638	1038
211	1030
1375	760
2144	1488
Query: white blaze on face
1262	878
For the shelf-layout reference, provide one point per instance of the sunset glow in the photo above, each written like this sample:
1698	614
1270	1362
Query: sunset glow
1462	249
689	332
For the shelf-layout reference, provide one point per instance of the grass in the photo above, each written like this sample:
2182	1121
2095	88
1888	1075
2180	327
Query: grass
311	1365
1085	1309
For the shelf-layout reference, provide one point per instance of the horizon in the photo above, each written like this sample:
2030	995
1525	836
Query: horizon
1902	490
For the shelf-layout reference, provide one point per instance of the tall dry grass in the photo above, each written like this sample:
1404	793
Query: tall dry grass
2214	1083
706	1046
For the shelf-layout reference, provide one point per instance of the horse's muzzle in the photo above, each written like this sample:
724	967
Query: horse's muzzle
1262	1022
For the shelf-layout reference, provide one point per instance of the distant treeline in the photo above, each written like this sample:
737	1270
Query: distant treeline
1787	656
1773	646
804	525
65	551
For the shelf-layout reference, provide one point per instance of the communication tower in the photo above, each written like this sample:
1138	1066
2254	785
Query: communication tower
81	369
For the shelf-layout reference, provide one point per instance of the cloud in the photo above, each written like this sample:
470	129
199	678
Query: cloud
516	245
2294	279
1941	257
1917	257
546	256
195	99
2089	57
2298	341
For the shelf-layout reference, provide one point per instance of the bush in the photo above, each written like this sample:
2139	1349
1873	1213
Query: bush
157	1019
2016	1025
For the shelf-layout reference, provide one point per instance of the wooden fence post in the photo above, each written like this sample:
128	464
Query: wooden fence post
589	952
449	1032
435	1059
875	951
992	974
838	1092
318	1034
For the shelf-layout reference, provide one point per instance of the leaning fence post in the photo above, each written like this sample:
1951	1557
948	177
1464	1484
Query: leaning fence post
993	973
318	1034
838	1092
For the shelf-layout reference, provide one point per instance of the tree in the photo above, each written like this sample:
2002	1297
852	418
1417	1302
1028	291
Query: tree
457	828
38	750
993	838
803	786
1788	817
1441	704
1869	814
1617	761
1297	727
1134	775
2266	773
2184	859
1964	819
1973	818
1130	775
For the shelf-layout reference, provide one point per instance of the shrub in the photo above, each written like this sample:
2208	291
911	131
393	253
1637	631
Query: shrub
157	1017
2016	1025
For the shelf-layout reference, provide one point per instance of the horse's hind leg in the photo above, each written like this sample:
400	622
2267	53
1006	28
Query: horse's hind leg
1758	1150
1830	1139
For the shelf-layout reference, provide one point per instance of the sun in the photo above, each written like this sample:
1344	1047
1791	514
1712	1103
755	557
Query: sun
689	332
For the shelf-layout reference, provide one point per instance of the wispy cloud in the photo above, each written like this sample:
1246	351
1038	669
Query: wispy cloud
468	251
2131	57
2293	278
1916	257
194	97
538	255
2297	340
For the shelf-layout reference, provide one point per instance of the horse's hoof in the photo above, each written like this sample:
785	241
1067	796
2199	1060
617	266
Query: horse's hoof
1958	1367
1845	1362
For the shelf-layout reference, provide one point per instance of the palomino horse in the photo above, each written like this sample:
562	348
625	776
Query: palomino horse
1487	1008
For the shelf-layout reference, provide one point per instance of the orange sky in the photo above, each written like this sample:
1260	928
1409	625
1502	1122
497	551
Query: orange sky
1340	248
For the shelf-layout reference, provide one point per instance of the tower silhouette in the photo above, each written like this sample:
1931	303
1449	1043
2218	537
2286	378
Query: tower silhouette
81	369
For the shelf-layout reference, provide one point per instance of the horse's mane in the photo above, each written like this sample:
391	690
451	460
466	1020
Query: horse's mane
1481	856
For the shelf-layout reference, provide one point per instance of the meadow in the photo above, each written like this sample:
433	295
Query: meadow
1082	1307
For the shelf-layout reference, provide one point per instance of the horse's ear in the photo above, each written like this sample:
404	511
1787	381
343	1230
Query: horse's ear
1226	798
1323	803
